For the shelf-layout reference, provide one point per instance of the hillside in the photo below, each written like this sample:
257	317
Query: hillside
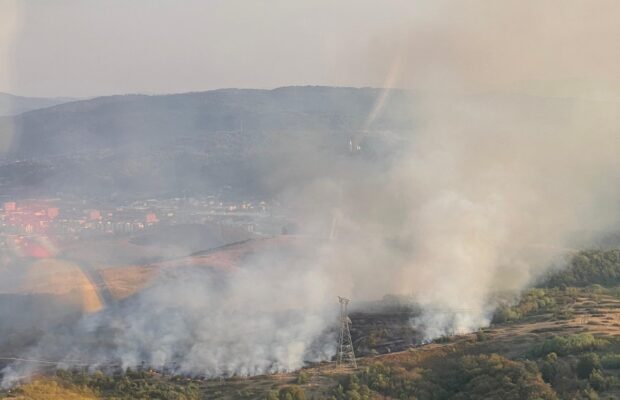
543	356
247	142
195	142
13	105
559	343
115	121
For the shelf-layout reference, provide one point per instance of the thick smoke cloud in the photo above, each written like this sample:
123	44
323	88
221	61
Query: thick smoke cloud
489	192
537	46
497	181
266	317
482	198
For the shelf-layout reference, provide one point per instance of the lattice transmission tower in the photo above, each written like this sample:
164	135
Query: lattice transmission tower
346	355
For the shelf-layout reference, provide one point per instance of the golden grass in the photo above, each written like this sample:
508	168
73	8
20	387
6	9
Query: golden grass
46	389
62	278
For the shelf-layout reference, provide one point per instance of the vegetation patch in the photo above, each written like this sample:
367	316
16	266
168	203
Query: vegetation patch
571	344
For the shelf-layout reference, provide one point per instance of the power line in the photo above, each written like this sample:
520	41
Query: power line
47	362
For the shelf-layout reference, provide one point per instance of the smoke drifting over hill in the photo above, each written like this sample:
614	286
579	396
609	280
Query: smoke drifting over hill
481	199
489	192
482	196
490	188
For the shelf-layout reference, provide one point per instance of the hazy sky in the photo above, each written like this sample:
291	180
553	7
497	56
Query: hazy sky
95	47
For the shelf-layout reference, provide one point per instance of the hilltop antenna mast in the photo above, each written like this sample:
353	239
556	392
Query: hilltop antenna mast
346	355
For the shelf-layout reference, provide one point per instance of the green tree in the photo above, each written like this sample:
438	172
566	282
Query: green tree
598	381
303	377
586	364
291	393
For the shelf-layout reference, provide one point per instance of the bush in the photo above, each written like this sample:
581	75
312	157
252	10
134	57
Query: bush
590	267
132	385
535	301
573	344
598	381
465	377
272	395
549	368
587	364
482	336
611	361
291	393
590	394
303	377
506	314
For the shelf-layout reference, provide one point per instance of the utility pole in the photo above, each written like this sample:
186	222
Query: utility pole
346	355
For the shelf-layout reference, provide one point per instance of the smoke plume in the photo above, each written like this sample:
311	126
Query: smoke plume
269	316
489	191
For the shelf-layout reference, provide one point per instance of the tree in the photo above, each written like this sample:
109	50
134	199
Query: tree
303	377
588	363
292	393
598	381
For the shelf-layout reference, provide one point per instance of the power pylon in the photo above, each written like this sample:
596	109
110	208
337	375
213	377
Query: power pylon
346	355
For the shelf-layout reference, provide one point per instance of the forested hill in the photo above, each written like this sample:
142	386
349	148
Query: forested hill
254	141
588	267
196	141
214	116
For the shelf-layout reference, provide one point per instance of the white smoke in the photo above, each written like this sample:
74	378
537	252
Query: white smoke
265	317
478	200
488	192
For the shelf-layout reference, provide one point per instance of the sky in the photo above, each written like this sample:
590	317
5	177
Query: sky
92	47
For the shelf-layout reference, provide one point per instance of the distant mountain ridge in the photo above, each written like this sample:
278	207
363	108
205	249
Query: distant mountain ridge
112	121
198	141
248	141
12	105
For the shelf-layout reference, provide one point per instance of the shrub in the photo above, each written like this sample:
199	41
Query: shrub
587	364
589	267
549	368
573	344
611	361
482	336
590	394
303	377
533	302
598	381
291	393
465	377
272	395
